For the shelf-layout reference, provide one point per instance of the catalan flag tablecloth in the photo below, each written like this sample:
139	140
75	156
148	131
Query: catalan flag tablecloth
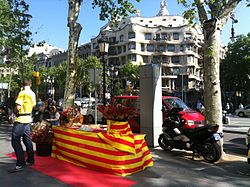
88	150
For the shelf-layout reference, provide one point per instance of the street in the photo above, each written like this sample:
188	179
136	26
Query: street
175	168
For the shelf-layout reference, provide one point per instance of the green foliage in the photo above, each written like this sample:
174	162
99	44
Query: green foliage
14	31
15	27
114	10
235	68
130	71
82	71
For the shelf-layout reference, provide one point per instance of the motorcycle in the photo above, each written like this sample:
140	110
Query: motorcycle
6	115
202	140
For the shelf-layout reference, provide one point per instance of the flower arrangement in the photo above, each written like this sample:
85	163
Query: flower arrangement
42	133
116	113
68	114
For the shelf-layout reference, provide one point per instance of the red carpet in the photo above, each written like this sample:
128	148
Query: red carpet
74	175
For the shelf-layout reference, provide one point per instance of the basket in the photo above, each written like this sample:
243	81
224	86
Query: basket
43	149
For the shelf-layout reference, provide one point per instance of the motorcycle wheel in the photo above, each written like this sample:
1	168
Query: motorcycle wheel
211	152
164	144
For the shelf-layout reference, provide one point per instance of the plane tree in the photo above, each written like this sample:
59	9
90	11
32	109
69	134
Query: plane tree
212	16
109	10
235	69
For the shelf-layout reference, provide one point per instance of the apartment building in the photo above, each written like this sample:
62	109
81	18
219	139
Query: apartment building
165	39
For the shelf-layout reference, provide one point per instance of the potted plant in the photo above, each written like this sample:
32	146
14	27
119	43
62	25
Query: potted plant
42	135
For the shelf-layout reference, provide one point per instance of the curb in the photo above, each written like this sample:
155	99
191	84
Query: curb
234	131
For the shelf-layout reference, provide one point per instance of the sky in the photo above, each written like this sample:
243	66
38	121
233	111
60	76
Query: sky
49	20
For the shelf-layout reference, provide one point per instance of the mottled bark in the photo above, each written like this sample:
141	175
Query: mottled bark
74	33
212	91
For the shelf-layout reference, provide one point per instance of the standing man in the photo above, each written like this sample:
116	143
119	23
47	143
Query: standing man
25	102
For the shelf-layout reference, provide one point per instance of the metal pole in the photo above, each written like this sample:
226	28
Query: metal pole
182	87
95	96
104	81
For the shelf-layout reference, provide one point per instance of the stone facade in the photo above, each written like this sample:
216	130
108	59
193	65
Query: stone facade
165	39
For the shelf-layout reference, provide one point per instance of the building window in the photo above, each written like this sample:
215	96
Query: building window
142	47
119	50
131	45
121	38
132	57
176	36
188	47
171	47
150	48
181	48
161	48
175	71
131	35
124	49
157	37
188	36
148	36
164	59
175	59
145	59
95	46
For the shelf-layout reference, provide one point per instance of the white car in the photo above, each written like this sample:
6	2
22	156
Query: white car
91	115
78	101
242	112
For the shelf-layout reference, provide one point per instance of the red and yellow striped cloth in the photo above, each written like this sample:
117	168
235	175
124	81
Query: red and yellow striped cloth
87	149
119	136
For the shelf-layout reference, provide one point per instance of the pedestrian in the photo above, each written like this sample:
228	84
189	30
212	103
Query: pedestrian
199	106
54	116
42	113
241	105
25	103
228	108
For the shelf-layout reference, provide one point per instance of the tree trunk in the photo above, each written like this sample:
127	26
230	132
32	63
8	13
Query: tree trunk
212	90
74	33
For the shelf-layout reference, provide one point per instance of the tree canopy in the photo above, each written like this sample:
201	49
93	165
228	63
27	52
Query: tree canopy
14	31
235	68
109	10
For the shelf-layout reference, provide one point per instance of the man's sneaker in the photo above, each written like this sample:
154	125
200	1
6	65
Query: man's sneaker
16	169
29	163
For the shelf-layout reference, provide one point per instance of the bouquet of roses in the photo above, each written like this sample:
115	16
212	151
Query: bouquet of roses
68	114
117	113
42	133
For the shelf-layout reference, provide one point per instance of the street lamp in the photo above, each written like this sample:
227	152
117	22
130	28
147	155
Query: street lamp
50	81
234	20
103	48
113	72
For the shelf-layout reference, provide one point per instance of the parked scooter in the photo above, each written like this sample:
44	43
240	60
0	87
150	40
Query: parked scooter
5	114
202	140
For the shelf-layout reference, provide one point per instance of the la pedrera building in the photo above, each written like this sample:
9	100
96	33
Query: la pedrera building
166	39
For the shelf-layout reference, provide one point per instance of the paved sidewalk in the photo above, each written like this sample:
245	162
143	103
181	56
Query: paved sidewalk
237	125
174	169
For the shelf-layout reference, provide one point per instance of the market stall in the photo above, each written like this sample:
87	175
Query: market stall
89	149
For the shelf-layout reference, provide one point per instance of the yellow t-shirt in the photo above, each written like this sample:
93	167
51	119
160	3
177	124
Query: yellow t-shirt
27	100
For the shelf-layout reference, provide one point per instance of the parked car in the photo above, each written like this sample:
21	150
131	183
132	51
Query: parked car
91	115
242	112
192	117
248	146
